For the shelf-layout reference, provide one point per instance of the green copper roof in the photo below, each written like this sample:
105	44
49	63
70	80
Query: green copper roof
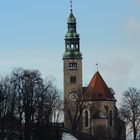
70	35
71	18
72	55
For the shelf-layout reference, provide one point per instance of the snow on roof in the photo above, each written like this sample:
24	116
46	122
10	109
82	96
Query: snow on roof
67	136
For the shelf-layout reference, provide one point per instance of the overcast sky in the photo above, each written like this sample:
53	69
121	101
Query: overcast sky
32	36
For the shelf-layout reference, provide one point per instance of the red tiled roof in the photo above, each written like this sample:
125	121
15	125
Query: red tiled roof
97	89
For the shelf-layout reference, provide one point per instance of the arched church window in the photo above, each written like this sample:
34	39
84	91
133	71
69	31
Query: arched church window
67	47
77	46
86	118
110	118
72	46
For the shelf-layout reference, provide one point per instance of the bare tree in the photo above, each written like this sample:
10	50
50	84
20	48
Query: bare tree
130	111
17	75
47	103
26	102
4	104
31	87
58	111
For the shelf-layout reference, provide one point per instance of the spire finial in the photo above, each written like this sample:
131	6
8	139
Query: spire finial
97	66
71	5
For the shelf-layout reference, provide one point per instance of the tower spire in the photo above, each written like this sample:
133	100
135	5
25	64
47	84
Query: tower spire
72	39
71	5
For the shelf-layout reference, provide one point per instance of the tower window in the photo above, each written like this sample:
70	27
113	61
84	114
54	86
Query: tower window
110	117
67	47
72	46
77	47
86	118
72	66
73	79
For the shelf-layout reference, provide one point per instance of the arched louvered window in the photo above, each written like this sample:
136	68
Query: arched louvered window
86	118
110	118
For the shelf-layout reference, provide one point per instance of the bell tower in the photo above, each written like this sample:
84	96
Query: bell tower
72	67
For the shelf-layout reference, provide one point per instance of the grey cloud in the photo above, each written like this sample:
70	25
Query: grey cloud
118	68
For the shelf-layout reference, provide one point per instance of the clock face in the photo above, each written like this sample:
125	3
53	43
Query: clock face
73	96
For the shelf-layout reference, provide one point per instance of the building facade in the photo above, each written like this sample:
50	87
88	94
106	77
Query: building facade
92	109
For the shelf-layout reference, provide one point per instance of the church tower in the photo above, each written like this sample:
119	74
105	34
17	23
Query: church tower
72	68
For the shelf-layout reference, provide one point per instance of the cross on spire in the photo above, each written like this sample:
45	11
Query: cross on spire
97	66
71	5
